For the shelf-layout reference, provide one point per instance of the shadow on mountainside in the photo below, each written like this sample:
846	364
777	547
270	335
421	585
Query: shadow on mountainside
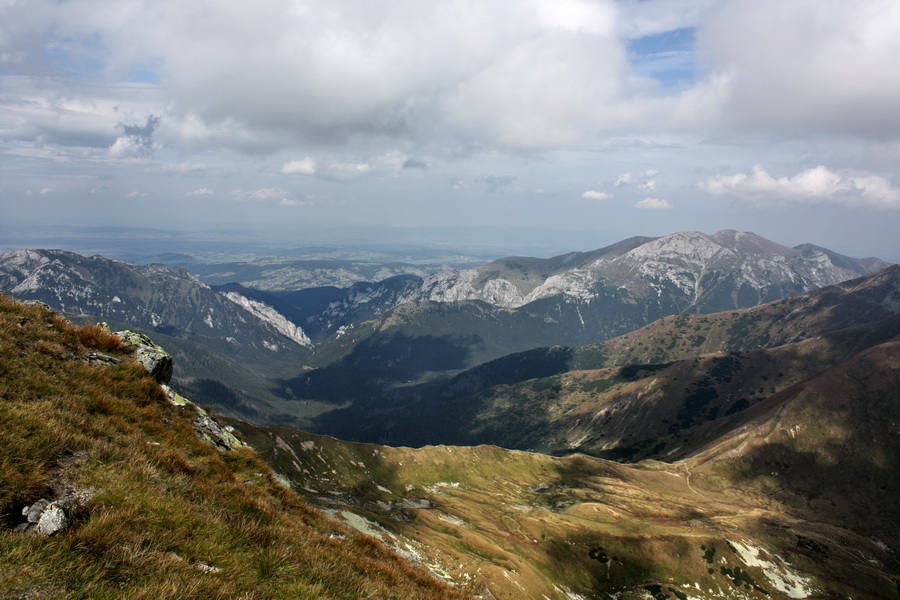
831	448
376	364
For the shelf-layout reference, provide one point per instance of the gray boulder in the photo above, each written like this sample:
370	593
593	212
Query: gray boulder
157	361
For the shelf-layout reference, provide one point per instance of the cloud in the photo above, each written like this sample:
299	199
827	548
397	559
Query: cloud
816	185
497	183
293	202
415	163
823	66
344	171
201	192
303	166
597	195
269	75
641	179
136	141
183	168
136	194
267	194
653	203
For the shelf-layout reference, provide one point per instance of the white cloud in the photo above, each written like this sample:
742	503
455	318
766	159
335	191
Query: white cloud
641	179
183	168
271	193
201	192
653	203
639	18
267	75
136	194
275	195
344	171
303	166
597	195
625	179
827	66
816	185
45	190
294	202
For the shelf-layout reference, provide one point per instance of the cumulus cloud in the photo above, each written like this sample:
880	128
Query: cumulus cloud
826	66
597	195
653	203
201	192
136	194
303	166
816	185
641	179
504	73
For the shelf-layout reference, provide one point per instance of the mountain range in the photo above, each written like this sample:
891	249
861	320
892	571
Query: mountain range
761	453
754	444
293	356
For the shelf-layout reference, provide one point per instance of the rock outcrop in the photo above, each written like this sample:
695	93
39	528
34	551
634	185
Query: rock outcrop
156	360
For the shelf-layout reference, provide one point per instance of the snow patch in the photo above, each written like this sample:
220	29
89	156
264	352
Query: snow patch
776	570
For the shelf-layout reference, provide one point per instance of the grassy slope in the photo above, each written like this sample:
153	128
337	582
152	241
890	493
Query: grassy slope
151	503
534	526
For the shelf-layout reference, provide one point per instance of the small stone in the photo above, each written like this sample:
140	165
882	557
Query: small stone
33	513
208	568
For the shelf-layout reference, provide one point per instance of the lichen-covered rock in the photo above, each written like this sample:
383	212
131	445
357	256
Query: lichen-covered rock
208	429
45	517
52	520
157	361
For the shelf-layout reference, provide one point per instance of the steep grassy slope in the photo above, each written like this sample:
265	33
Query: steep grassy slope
154	512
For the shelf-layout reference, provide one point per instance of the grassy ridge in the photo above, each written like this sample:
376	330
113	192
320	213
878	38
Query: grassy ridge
154	512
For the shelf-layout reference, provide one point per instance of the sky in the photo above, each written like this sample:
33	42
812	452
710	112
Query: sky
607	117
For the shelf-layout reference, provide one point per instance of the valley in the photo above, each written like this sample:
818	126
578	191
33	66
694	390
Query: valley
691	416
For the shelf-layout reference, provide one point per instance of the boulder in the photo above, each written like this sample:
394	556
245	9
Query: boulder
157	361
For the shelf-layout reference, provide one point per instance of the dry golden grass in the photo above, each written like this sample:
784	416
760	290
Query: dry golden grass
161	514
